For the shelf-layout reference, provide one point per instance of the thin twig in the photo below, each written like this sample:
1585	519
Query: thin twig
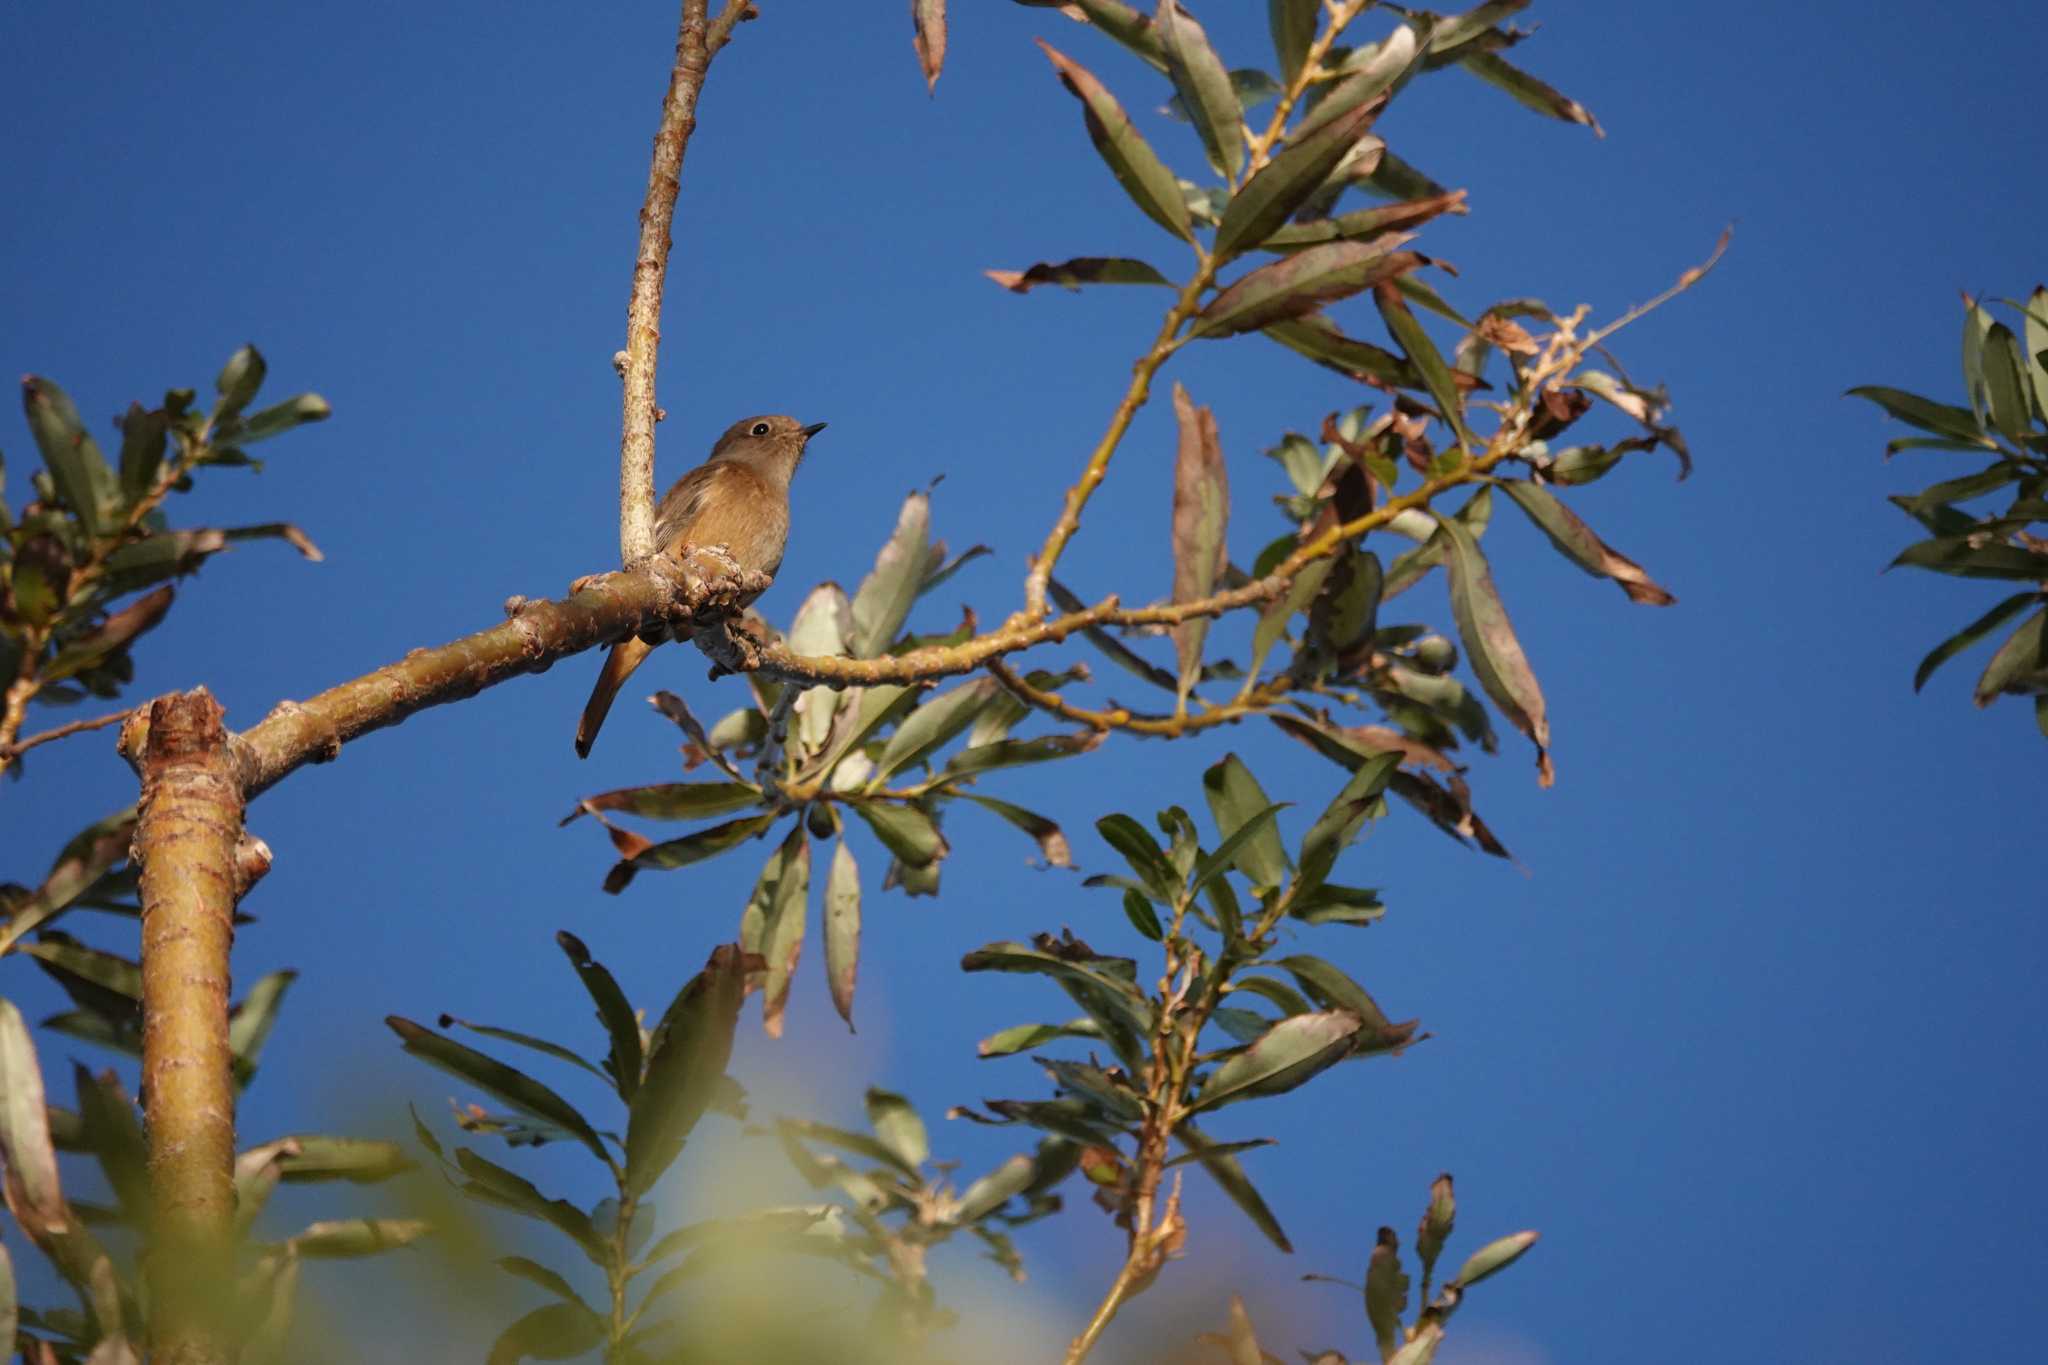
1311	67
697	39
1254	702
1685	282
20	747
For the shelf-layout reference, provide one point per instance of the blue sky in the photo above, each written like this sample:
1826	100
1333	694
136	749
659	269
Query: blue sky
1752	1042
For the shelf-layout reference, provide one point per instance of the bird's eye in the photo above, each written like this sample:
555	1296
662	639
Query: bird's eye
760	429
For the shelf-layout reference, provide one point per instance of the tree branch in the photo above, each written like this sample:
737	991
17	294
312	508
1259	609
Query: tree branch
186	843
697	40
69	728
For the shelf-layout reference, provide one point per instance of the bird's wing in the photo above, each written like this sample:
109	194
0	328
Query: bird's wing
682	504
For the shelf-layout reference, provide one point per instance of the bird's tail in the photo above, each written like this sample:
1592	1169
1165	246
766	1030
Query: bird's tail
626	656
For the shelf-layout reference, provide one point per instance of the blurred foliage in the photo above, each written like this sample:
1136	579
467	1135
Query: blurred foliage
95	1248
889	1205
2005	375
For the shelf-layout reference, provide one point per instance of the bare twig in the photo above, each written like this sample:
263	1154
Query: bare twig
20	747
698	38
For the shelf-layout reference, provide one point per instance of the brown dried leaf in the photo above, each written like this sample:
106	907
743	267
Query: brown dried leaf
928	22
1201	516
1077	272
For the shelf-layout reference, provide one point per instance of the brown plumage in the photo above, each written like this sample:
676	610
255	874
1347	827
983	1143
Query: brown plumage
738	501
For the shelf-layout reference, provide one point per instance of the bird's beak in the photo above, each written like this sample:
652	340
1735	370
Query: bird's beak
813	429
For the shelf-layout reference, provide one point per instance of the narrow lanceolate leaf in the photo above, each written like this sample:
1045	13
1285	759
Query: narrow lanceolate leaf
237	383
685	1064
1025	1037
492	1076
1077	272
555	1331
143	442
1415	343
1544	99
1294	31
1236	800
931	727
276	420
1576	541
1371	222
1136	167
928	21
1976	322
1490	642
1052	843
621	1025
1493	1258
1244	1343
112	634
1316	337
842	929
1285	183
1222	1164
1341	820
250	1022
1134	29
1290	1054
1332	988
706	843
1971	634
24	1124
2005	383
1391	64
1942	419
10	1299
1203	83
2035	328
1386	1291
2021	664
905	830
884	598
782	932
1303	282
672	800
1459	29
1201	515
84	479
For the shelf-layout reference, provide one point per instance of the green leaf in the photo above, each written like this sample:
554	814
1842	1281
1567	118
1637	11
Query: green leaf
1971	634
883	601
1219	1160
842	929
1025	1037
1134	164
782	922
525	1040
1490	643
1142	852
1258	827
313	1158
84	481
1459	30
1438	1218
2021	664
1329	986
2005	384
1415	343
1052	842
1577	542
1976	322
1370	222
24	1124
80	865
555	1331
1277	613
1203	84
904	829
533	1272
237	383
1293	23
1963	555
1113	1003
282	417
144	435
109	637
1493	1258
1301	283
672	800
621	1025
1270	197
1138	910
1337	827
10	1301
995	1189
931	727
1201	518
1385	68
1290	1054
1236	800
898	1127
1531	92
492	1076
344	1238
2035	325
928	35
250	1022
1942	419
685	1064
1077	272
1128	26
1386	1292
705	843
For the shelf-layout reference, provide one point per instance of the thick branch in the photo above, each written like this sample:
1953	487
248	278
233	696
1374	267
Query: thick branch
538	633
697	40
185	843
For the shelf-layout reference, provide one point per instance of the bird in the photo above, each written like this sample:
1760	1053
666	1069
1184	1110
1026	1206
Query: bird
737	501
